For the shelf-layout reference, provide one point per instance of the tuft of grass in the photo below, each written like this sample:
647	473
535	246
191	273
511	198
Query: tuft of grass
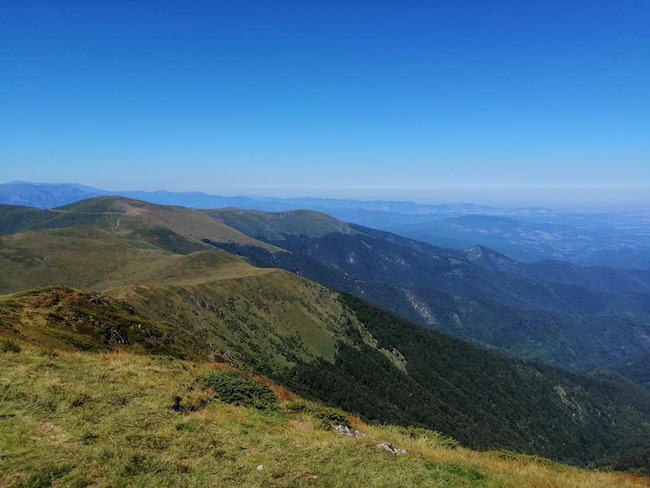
191	401
44	477
297	406
74	480
505	454
80	400
7	345
430	436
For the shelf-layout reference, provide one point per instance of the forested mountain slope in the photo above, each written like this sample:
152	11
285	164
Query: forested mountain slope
552	312
130	289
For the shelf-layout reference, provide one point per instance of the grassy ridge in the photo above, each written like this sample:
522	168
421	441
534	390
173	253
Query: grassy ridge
210	304
275	226
70	320
564	315
107	420
268	321
173	228
91	258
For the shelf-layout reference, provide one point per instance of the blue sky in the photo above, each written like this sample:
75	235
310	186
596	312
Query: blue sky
457	100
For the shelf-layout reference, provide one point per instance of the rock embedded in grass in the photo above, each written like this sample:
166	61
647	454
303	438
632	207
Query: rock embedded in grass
392	449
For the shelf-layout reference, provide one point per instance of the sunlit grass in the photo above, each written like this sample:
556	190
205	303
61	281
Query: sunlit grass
86	419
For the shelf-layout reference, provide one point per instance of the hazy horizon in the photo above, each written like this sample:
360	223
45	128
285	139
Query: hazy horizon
586	199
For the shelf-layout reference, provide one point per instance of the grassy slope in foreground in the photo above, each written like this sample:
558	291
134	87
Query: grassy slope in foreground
87	419
353	356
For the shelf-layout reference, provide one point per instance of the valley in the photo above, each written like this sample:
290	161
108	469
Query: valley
558	313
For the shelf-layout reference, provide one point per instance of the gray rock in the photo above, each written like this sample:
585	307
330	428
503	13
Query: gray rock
392	449
344	430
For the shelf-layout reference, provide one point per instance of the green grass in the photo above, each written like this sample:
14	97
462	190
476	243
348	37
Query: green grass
7	345
107	420
91	258
172	228
276	323
269	320
275	226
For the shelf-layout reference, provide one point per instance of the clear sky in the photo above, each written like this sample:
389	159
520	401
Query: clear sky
421	100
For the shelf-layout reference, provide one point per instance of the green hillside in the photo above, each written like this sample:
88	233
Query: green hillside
275	226
176	229
636	369
87	257
77	419
347	355
560	314
209	305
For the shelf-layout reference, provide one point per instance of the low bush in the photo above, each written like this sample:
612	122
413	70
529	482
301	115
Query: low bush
190	402
240	388
330	417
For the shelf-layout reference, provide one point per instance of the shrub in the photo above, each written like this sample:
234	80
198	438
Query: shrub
330	417
240	388
9	346
190	402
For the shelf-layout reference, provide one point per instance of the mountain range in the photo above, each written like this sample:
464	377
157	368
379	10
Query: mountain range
554	312
611	238
112	272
